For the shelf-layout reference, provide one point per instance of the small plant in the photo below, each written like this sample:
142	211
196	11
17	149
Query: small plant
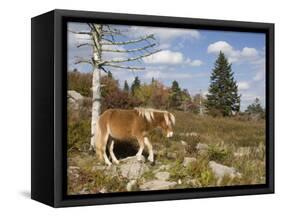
192	142
217	153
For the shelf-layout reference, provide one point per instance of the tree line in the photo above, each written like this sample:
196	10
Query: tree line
222	99
151	94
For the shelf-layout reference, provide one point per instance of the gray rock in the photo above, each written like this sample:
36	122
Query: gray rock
157	185
131	168
188	160
202	146
162	176
74	95
131	185
74	98
220	171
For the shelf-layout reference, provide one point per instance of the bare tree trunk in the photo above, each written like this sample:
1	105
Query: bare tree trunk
96	94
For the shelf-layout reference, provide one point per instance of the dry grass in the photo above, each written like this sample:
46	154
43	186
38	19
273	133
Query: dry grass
227	140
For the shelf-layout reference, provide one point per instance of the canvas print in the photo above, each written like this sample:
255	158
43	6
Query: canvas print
152	108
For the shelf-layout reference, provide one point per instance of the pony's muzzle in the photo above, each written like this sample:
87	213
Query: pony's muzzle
170	134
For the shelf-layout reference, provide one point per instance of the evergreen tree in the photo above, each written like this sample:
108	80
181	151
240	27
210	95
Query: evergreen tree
126	86
135	85
176	95
255	108
223	95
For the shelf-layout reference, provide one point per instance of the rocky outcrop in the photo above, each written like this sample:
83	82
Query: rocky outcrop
220	171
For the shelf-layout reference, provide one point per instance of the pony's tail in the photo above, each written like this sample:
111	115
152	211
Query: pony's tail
98	141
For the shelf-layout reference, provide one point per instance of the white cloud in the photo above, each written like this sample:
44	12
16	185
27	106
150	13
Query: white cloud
220	46
243	85
157	74
249	52
193	62
165	34
234	55
165	57
171	57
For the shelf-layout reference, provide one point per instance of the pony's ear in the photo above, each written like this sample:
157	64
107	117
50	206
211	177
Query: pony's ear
172	118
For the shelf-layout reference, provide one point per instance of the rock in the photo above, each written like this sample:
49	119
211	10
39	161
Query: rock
162	176
74	95
131	185
188	160
183	143
74	99
157	185
131	168
202	146
220	171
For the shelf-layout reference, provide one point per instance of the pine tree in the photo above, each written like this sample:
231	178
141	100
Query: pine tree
255	108
175	96
126	86
135	85
223	95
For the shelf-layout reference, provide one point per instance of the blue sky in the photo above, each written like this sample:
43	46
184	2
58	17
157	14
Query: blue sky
187	56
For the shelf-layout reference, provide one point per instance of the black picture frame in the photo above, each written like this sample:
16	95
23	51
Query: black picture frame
49	68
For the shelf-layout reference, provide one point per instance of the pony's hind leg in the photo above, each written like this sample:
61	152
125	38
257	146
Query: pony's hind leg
113	157
139	153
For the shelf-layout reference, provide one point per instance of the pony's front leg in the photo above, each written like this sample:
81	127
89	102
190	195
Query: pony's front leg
139	153
149	146
113	157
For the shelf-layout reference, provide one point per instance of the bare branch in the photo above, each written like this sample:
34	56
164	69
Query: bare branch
130	41
81	33
124	67
130	59
79	61
129	50
84	44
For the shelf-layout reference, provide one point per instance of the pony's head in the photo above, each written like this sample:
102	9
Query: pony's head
162	119
167	123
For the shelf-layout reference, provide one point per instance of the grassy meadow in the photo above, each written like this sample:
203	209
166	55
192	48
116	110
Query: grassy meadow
230	141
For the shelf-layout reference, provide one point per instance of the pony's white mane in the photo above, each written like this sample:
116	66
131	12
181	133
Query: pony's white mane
148	114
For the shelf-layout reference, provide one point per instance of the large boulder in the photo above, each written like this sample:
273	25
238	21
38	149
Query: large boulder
132	168
221	171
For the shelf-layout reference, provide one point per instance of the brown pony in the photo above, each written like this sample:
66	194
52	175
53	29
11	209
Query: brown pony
126	125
